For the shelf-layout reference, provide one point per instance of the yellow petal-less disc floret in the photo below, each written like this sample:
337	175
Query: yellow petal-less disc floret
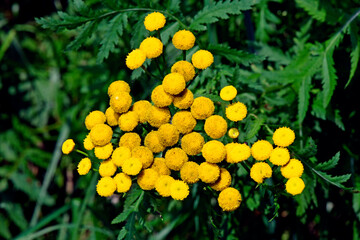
159	165
202	59
163	184
283	137
107	168
223	182
183	40
161	98
154	21
141	108
261	150
233	133
184	100
93	118
259	171
120	102
184	68
132	166
214	151
237	152
228	93
152	47
189	172
144	154
184	121
294	168
169	135
209	172
229	199
179	190
123	182
68	146
128	121
88	145
120	155
130	140
175	158
101	134
118	86
295	185
215	126
106	186
174	83
147	179
202	108
104	152
236	111
158	116
135	59
280	156
84	166
192	143
112	117
152	141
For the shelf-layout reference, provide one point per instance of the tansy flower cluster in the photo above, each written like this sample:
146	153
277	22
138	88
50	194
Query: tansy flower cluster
160	150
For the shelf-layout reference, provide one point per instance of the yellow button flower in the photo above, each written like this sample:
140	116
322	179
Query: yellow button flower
135	59
174	83
202	108
161	98
144	154
184	121
179	190
237	152
159	165
88	145
233	133
118	86
104	152
152	141
175	158
120	155
68	146
152	47
279	156
106	186
236	111
147	179
84	166
163	184
214	151
223	182
120	102
169	135
107	168
158	116
112	117
294	168
123	182
192	143
154	21
202	59
130	140
128	121
184	68
94	117
295	185
261	150
184	100
229	199
283	137
132	166
183	40
259	171
189	172
209	172
228	93
215	126
101	134
141	108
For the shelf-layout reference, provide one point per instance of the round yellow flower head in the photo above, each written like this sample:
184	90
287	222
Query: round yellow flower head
179	190
159	165
233	133
144	154
88	145
237	152
107	168
84	166
163	184
147	179
101	134
261	150
259	171
223	182
202	59
183	40
68	146
161	98
94	117
229	199
106	186
112	117
123	182
174	83
132	166
175	158
294	168
120	155
120	102
169	135
141	108
192	143
152	47
189	172
158	116
214	151
184	68
104	152
295	185
184	121
236	111
135	59
209	172
215	126
228	93
118	86
279	156
184	100
154	21
130	140
152	141
202	108
128	121
283	137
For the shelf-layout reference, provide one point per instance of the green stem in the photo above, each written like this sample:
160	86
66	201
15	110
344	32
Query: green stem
82	153
149	73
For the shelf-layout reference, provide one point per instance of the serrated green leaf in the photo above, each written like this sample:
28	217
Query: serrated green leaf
334	180
131	205
355	52
122	234
16	214
356	197
4	227
213	97
139	32
220	10
338	119
329	77
173	6
309	150
304	98
84	34
169	31
253	127
312	8
317	108
324	166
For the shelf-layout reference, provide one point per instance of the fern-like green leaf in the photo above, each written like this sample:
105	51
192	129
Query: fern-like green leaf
173	6
131	205
253	127
329	77
217	11
329	164
355	52
84	34
304	98
66	21
312	8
